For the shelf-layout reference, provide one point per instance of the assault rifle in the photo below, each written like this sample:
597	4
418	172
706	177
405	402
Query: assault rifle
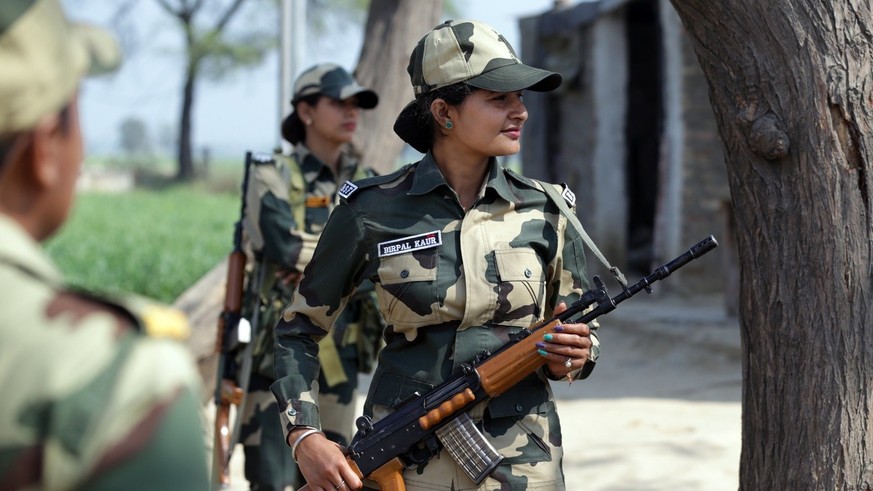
234	331
413	433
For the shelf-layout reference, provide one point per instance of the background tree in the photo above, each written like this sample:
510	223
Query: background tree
792	90
211	50
134	137
393	27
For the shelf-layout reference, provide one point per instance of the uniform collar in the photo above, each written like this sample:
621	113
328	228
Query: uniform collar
19	249
310	164
428	177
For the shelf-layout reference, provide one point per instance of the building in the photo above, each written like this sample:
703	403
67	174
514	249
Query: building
632	132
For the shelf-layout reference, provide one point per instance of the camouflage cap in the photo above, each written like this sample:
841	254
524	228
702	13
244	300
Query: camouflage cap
329	80
333	81
473	52
44	56
466	51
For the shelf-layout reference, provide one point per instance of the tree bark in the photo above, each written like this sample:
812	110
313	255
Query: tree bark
393	28
792	90
186	160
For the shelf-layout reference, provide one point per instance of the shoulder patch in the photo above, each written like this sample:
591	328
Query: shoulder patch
262	158
347	189
365	183
568	195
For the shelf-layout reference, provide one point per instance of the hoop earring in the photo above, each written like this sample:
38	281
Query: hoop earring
449	125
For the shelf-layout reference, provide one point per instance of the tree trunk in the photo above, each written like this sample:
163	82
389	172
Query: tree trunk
792	90
393	29
186	160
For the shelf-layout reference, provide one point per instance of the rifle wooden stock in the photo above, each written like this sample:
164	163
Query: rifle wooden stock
389	477
227	390
500	373
233	294
497	374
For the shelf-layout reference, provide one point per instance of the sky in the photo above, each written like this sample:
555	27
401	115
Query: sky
234	115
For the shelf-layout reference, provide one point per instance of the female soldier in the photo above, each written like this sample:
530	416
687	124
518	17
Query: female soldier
463	254
288	202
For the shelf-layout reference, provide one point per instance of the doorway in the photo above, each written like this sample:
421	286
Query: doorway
643	129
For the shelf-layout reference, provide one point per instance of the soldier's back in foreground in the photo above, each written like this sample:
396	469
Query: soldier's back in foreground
90	401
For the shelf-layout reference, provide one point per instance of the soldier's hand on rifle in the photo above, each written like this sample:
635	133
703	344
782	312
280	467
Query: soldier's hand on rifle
322	463
568	350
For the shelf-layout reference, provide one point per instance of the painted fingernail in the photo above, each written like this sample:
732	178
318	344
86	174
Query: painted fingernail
547	337
559	328
541	345
542	352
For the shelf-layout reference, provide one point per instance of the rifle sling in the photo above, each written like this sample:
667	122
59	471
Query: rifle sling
574	221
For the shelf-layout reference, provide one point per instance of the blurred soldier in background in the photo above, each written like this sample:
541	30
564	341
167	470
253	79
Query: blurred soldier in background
89	400
289	199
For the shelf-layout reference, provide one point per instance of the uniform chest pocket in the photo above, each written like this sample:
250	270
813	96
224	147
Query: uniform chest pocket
407	288
521	285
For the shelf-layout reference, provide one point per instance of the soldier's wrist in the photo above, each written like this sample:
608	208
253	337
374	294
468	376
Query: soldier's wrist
295	432
299	436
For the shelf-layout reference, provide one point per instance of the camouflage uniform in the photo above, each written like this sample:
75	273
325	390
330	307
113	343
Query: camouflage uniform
281	194
90	401
451	284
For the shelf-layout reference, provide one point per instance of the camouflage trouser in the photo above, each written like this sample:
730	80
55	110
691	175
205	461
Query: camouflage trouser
268	462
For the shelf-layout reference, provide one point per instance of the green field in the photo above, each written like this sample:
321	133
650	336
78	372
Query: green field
155	243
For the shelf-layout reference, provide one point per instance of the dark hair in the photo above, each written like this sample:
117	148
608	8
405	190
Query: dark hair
293	129
454	95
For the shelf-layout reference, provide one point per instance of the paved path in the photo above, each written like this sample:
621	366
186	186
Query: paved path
662	409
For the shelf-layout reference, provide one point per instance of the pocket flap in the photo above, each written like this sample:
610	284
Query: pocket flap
392	389
403	268
518	265
527	397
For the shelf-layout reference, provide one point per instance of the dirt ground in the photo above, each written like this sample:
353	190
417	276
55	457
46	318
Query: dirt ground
661	410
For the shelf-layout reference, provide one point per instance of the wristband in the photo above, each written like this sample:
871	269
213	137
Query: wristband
300	439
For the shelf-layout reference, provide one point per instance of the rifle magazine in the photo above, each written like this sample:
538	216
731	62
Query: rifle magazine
469	448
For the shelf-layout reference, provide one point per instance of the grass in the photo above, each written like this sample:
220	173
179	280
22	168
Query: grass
155	243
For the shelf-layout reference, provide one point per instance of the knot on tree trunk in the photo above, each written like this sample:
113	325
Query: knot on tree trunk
767	139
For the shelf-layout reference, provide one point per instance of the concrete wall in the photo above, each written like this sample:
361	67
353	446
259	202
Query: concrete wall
668	241
577	134
607	182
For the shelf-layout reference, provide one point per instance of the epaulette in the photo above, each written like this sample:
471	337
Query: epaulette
153	318
566	193
349	188
522	179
